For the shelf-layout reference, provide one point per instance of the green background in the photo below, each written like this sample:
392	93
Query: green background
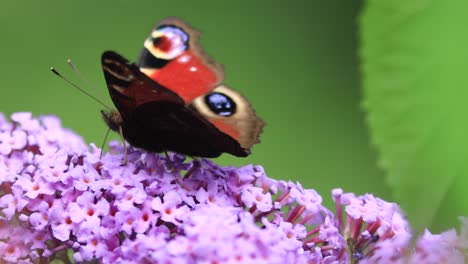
296	61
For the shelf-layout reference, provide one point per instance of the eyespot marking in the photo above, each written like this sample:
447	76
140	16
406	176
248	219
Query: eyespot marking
220	104
167	42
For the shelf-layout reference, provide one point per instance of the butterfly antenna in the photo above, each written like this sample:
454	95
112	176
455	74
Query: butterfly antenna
79	88
82	76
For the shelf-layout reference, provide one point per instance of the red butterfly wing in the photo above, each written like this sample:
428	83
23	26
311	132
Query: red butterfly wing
157	119
173	57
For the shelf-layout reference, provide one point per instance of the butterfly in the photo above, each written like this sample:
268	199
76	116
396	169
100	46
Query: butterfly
173	98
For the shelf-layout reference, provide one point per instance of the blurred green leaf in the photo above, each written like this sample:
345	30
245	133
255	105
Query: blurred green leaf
415	77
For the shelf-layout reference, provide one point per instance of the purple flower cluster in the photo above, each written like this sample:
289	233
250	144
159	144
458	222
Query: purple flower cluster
57	195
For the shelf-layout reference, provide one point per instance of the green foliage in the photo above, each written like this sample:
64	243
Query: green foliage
415	77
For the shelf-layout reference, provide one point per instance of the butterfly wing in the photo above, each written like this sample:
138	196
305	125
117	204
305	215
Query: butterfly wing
130	88
173	57
231	113
157	119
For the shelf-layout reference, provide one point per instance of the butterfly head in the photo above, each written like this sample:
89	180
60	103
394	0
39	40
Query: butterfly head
112	118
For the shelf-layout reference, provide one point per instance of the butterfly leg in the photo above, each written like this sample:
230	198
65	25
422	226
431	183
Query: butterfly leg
125	161
177	173
199	161
196	164
104	142
169	161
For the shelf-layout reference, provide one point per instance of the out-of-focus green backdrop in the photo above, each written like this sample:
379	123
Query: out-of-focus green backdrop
297	62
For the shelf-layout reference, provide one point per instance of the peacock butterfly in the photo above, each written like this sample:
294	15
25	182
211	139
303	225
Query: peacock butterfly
173	98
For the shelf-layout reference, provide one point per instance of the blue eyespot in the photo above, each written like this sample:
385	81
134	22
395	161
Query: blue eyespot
220	104
173	30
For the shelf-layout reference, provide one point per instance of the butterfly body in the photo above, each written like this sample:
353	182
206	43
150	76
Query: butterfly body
173	99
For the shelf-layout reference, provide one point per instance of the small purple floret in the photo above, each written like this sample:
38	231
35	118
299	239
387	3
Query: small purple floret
58	195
